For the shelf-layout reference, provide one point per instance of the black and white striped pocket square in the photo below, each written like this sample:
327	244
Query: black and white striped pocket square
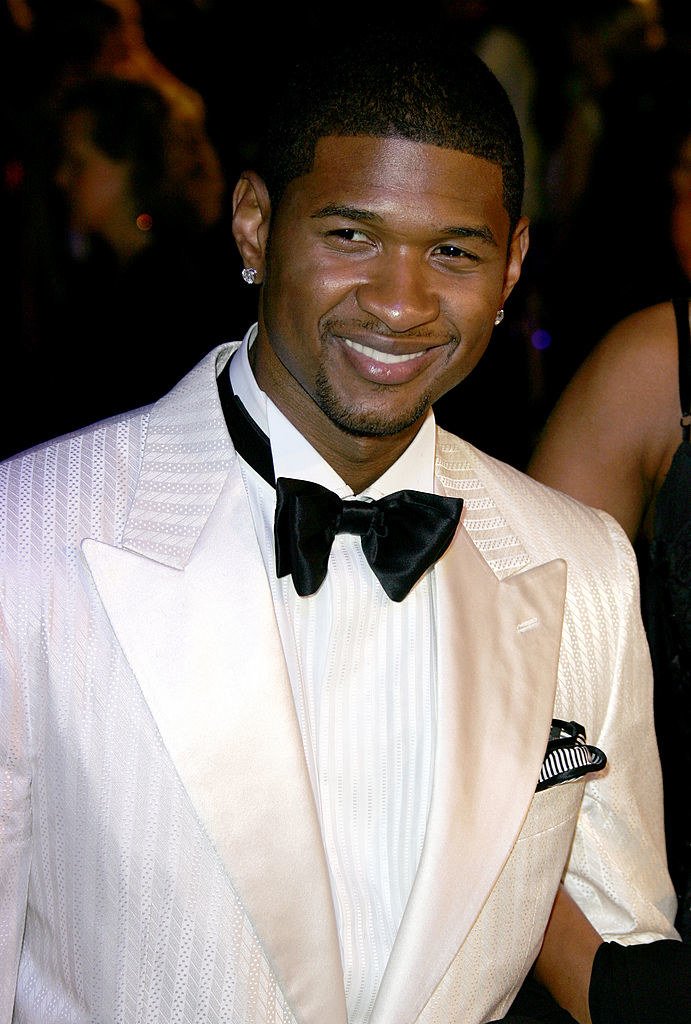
568	756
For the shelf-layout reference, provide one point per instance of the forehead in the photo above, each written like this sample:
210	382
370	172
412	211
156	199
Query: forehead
396	176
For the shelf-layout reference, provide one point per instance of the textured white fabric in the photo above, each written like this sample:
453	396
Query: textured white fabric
363	672
129	915
123	896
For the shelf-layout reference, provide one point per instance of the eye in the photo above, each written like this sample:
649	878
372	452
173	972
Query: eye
455	252
348	235
350	241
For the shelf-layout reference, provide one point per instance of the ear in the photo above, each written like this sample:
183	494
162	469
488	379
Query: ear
251	217
518	247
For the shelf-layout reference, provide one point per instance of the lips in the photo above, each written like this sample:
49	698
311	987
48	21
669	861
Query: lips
383	367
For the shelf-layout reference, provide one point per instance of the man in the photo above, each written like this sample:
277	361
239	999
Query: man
250	778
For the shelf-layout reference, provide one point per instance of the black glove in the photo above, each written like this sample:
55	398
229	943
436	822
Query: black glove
648	983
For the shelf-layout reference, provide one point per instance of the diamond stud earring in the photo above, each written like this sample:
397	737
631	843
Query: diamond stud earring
249	275
499	317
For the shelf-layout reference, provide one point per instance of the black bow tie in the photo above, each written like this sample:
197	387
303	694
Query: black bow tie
401	534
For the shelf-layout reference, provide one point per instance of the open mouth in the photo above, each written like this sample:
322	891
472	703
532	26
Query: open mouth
383	357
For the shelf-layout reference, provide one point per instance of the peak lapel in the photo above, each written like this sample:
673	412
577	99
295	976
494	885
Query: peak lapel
201	638
497	679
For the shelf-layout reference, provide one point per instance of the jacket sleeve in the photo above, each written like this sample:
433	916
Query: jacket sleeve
617	871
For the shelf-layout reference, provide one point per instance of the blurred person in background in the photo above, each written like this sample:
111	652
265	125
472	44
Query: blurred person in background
74	40
615	180
71	277
137	263
134	168
615	441
143	187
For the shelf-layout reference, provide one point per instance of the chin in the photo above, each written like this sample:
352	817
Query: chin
363	422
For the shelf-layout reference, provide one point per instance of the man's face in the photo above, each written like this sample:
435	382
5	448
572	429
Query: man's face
384	271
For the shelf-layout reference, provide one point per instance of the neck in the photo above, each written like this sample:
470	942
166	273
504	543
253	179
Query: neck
359	461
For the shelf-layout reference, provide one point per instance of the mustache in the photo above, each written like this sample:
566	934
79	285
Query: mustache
370	325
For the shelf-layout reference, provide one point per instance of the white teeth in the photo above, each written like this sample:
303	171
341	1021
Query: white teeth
381	357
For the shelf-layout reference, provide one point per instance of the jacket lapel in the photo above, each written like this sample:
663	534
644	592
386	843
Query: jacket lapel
498	657
188	599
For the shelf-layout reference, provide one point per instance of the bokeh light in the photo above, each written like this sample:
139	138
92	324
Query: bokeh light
541	340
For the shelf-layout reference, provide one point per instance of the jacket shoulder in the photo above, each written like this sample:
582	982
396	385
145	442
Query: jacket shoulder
59	491
550	524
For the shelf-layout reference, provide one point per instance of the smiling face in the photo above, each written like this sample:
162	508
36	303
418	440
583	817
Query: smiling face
383	274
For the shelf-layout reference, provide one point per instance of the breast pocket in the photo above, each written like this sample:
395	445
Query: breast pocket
539	858
506	938
553	808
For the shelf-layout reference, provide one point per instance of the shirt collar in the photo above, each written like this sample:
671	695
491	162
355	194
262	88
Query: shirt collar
243	383
294	456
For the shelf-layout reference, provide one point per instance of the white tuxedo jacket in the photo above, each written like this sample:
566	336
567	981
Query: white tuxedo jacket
160	854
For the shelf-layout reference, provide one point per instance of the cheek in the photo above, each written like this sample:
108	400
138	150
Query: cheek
466	358
300	293
290	318
473	324
323	284
471	307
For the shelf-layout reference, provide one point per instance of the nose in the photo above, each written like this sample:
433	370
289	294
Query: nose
399	293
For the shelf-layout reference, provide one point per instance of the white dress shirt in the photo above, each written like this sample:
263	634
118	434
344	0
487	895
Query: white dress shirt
363	673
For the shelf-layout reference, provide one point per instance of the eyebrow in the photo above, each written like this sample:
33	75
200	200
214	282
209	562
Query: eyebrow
483	233
349	213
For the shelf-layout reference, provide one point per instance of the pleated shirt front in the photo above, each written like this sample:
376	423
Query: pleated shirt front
363	672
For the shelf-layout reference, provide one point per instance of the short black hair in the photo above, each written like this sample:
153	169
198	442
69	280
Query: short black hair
424	87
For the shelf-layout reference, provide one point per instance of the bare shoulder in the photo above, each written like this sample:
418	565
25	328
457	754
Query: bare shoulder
634	367
643	346
613	432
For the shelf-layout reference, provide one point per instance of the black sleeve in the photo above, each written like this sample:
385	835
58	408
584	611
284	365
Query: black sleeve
534	1005
642	984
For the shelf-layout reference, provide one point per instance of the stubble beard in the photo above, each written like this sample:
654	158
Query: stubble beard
360	422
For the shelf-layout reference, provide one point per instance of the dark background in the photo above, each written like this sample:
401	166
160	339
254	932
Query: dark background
609	109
